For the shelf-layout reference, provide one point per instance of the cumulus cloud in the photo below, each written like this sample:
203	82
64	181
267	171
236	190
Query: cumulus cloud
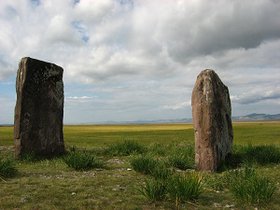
113	38
111	42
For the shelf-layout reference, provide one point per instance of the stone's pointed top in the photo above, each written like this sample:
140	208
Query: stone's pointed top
208	75
208	72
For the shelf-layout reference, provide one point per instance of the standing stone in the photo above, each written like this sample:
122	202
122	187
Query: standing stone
39	109
211	111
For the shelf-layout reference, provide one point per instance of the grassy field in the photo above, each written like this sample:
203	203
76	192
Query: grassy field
51	184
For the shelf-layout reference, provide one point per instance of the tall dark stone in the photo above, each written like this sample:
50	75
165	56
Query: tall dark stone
39	109
211	111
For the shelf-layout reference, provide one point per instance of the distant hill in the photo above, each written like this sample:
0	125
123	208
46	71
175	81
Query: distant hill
183	120
256	117
250	117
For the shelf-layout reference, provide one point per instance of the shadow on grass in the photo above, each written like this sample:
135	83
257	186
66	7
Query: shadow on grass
251	155
33	157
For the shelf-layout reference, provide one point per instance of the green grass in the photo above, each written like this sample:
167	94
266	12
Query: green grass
256	133
182	157
125	148
98	135
144	164
161	171
154	190
6	136
117	186
183	188
177	188
252	155
261	154
249	187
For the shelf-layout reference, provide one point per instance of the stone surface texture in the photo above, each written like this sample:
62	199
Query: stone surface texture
38	127
211	111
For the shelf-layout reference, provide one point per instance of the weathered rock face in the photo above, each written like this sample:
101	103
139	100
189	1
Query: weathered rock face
39	109
211	111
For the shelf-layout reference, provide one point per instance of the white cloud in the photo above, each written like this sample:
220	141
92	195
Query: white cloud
93	11
257	95
61	30
182	105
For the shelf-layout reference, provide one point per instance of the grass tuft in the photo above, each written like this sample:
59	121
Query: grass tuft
215	181
143	164
160	171
146	164
125	148
182	158
184	188
159	149
7	168
154	190
82	161
248	187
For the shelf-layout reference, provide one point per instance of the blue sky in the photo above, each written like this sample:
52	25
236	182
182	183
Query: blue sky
138	59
